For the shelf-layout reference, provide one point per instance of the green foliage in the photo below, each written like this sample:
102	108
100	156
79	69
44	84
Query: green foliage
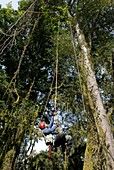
24	4
27	67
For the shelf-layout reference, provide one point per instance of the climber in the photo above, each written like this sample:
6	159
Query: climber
53	134
47	130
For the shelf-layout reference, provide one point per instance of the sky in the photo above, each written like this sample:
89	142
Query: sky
40	146
14	3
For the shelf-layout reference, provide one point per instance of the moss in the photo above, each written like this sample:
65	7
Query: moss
7	163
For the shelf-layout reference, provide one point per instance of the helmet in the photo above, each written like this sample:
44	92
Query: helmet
42	125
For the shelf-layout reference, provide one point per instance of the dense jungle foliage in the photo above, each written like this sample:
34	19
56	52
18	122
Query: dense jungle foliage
32	38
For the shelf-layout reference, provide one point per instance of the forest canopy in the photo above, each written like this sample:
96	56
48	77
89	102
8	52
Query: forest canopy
57	54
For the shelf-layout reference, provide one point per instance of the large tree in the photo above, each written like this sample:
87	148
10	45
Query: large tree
38	33
102	143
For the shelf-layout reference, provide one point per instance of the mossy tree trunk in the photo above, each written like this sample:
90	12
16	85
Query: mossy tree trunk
100	117
12	150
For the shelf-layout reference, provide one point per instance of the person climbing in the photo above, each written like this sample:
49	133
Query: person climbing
48	129
54	134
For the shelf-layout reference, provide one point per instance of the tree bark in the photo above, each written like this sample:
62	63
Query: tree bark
101	120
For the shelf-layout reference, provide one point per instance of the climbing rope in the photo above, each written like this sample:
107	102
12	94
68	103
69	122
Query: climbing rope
50	152
55	77
51	88
56	71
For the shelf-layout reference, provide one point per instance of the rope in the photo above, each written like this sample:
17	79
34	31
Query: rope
56	71
65	165
55	77
48	96
50	152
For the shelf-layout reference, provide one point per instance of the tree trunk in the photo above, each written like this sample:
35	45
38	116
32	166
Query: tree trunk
8	160
100	117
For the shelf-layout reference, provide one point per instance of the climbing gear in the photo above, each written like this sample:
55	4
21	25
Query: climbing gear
42	125
48	139
50	152
49	142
